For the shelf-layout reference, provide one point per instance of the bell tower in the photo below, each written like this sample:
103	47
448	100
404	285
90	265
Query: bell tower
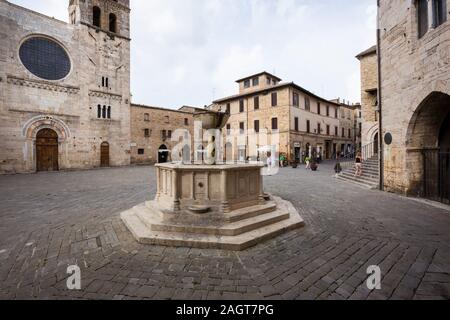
111	16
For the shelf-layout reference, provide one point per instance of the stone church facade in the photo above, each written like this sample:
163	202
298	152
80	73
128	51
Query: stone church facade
65	87
415	95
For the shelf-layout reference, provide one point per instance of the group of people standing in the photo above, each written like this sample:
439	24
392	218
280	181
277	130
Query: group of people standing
312	162
358	165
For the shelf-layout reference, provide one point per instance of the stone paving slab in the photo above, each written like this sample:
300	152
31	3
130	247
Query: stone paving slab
52	220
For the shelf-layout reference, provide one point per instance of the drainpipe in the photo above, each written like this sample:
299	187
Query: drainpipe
380	105
247	146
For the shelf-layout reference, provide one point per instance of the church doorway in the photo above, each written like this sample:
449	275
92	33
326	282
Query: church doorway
47	150
104	154
163	154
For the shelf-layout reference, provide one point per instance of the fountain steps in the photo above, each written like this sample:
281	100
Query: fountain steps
219	229
149	228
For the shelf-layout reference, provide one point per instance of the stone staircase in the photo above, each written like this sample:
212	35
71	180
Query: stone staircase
370	174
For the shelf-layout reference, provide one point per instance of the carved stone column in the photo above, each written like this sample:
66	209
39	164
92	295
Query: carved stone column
158	183
175	191
225	205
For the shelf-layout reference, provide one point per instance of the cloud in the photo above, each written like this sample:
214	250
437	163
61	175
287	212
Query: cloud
235	63
192	51
371	12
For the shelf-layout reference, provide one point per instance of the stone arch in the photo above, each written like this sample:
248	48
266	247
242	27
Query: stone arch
35	124
422	134
425	124
372	132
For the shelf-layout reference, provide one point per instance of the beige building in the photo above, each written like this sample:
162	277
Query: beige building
415	96
65	87
152	130
350	123
303	122
369	95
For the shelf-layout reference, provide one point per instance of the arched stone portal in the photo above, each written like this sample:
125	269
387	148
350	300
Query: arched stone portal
425	125
30	132
426	139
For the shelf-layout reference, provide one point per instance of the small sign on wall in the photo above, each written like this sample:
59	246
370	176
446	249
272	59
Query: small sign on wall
388	138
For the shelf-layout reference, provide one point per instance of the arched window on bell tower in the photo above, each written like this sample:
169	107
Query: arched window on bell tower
96	17
112	23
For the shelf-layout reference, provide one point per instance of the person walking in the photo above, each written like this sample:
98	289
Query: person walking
282	159
338	167
358	165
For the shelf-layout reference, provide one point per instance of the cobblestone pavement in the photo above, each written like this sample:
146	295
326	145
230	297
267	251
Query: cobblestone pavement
51	220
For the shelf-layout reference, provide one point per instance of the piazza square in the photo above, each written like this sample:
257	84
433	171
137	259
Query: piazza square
268	190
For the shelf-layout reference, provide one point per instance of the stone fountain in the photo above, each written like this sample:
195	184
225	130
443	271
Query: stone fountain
216	206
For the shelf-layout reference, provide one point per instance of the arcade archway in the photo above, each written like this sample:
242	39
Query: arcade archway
428	145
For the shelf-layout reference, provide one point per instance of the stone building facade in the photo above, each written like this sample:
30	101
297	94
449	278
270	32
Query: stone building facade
65	87
350	124
304	123
153	130
369	95
415	91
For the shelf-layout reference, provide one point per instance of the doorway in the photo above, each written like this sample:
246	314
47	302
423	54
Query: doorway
298	154
163	154
327	150
47	150
376	143
104	154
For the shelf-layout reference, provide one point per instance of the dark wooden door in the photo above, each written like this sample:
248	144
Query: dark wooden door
104	154
47	150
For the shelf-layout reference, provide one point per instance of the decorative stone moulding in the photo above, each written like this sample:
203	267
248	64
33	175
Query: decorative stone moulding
105	95
45	85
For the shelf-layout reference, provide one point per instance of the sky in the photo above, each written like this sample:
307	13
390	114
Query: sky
190	52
